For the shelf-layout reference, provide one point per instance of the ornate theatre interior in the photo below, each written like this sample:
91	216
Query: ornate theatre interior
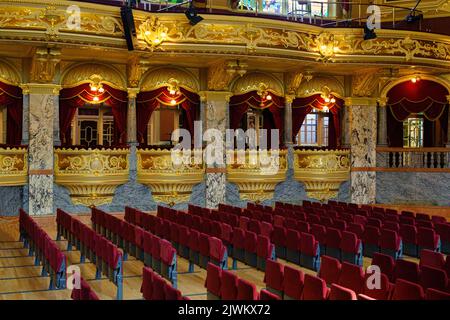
92	94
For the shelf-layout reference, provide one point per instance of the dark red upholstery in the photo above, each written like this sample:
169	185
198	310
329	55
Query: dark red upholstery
386	264
330	269
406	270
147	283
213	279
239	238
352	277
228	288
293	282
433	294
266	295
251	241
406	290
338	292
314	288
274	275
216	249
432	259
369	288
246	290
427	238
433	278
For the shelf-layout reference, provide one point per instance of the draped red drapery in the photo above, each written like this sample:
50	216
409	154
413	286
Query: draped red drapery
302	106
422	97
11	97
148	101
72	98
239	104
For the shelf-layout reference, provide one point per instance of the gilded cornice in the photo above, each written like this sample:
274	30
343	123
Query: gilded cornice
82	73
253	81
41	88
321	84
40	21
161	77
8	74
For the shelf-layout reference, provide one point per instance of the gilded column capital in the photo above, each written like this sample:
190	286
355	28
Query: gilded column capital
41	88
360	101
382	102
215	95
132	92
289	98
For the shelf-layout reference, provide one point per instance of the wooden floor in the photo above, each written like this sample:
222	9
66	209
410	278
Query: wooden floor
20	279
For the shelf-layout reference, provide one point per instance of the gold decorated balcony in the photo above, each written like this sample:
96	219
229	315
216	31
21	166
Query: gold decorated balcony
256	173
13	166
91	175
322	171
170	179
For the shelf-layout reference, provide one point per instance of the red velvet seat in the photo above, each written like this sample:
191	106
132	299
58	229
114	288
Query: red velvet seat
203	242
147	283
390	243
266	229
254	226
443	230
433	278
279	240
409	238
267	295
374	222
171	293
243	222
427	238
246	290
217	252
338	292
251	241
228	287
293	283
352	277
293	244
386	264
333	243
213	281
278	221
303	226
370	289
330	269
314	288
406	290
433	294
309	252
274	276
431	258
356	228
406	270
158	288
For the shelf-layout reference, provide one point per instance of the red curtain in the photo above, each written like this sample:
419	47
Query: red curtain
408	98
423	96
148	101
239	105
72	98
11	97
302	106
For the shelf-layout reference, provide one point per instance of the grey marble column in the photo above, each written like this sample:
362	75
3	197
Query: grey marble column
56	137
382	123
25	115
132	132
363	138
40	150
288	120
345	127
216	116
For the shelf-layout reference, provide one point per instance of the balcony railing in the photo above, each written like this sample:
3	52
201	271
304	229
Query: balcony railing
425	158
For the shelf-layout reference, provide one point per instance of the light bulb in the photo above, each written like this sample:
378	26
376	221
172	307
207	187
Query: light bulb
269	97
414	80
327	100
93	88
325	109
95	99
156	41
173	102
101	89
163	34
147	33
333	100
172	92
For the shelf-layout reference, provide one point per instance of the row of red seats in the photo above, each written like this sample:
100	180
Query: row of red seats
98	249
226	285
243	245
154	287
199	248
143	245
40	244
340	282
429	273
84	292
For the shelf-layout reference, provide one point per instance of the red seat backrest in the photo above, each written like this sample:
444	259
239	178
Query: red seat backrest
213	279
246	290
274	275
330	269
338	292
228	288
293	282
314	288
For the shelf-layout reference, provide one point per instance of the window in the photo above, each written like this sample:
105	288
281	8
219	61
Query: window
314	130
272	6
319	8
93	125
413	132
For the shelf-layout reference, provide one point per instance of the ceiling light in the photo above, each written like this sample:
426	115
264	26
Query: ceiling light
333	100
173	102
101	90
95	99
269	97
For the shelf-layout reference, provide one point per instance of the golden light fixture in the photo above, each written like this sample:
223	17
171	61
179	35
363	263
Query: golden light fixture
153	32
173	102
414	79
95	99
236	67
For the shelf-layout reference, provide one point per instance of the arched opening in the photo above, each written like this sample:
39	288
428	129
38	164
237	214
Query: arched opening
93	114
159	112
417	114
257	110
316	121
11	108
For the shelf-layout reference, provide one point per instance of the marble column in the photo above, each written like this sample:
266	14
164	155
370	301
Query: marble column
382	123
345	127
56	137
25	114
288	120
216	117
363	140
131	131
40	150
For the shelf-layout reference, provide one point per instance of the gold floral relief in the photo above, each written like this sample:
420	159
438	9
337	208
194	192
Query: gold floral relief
322	171
91	175
170	176
13	166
